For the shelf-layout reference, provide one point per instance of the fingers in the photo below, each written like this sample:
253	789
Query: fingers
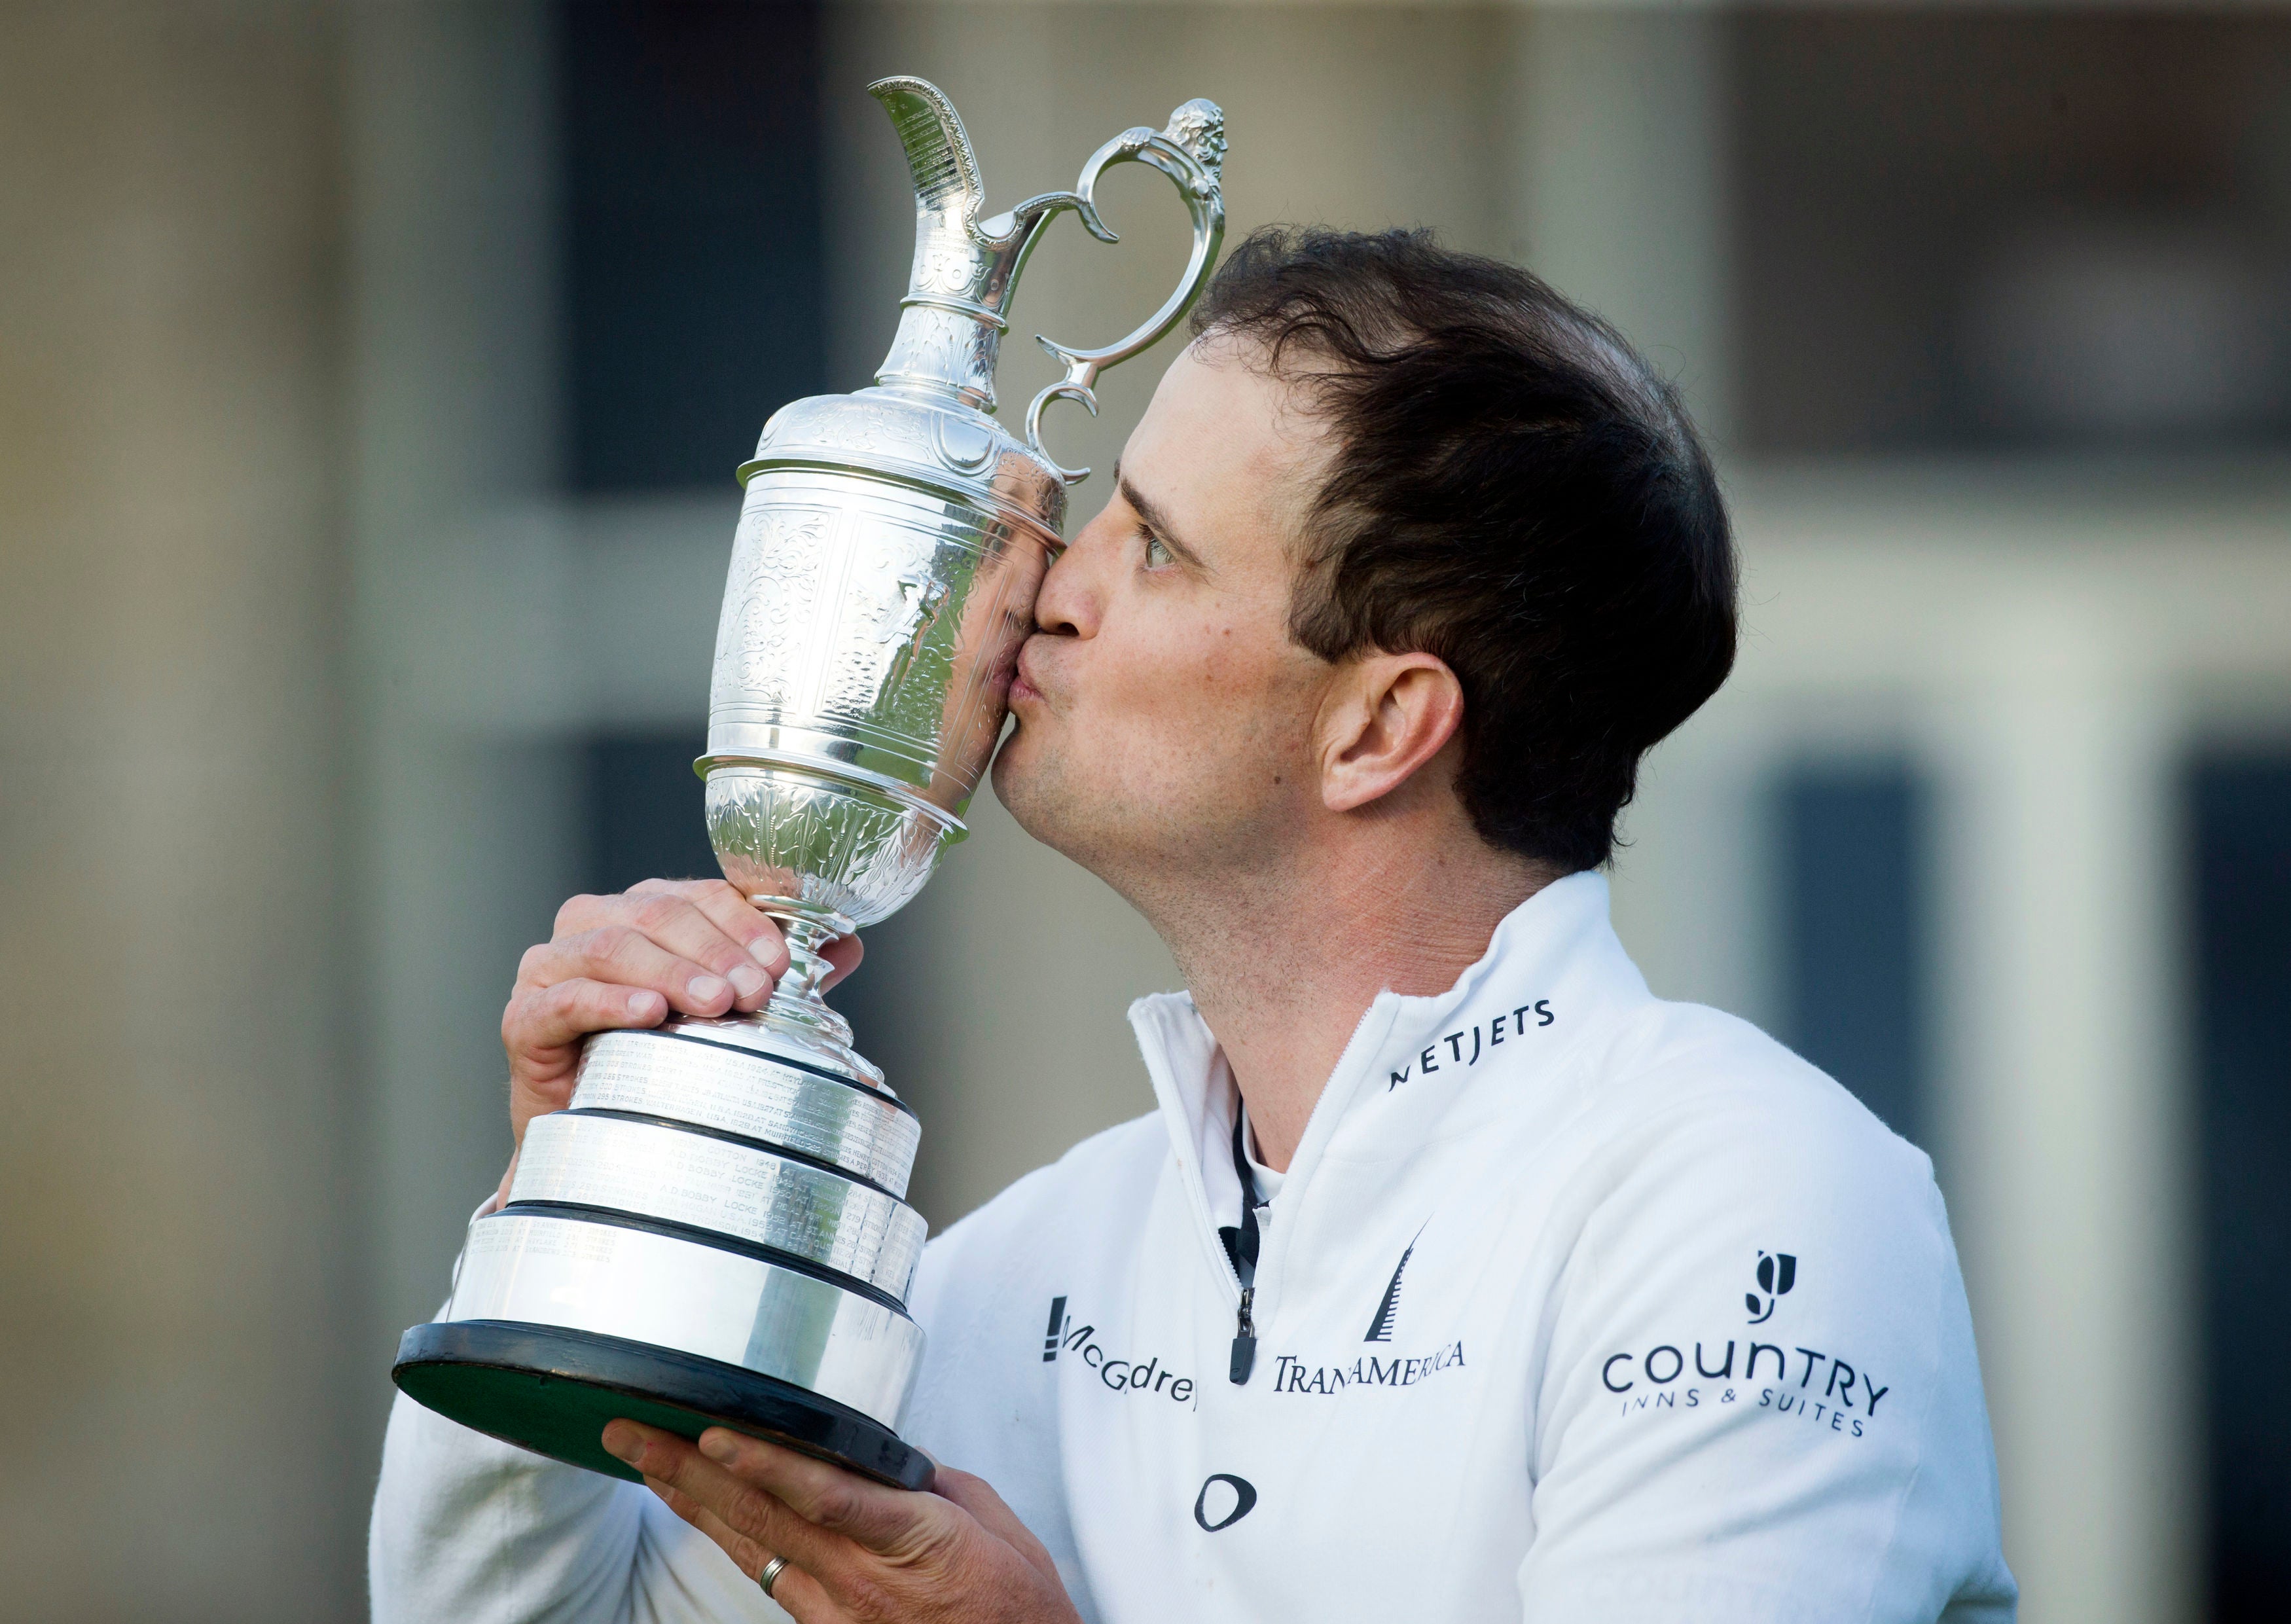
855	1548
541	1032
744	1508
697	942
732	913
805	1599
796	1592
627	956
745	1552
552	1017
785	1502
628	960
882	1519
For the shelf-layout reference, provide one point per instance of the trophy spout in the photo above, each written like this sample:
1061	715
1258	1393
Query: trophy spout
949	334
951	320
939	156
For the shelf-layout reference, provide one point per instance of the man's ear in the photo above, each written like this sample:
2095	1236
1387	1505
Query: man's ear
1385	718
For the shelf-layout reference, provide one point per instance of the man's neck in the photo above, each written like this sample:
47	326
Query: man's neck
1283	966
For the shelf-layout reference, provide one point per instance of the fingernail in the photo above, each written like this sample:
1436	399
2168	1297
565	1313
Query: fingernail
718	1446
766	949
747	979
624	1442
704	989
641	1006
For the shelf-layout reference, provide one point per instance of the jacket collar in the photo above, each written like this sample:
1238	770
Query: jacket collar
1557	948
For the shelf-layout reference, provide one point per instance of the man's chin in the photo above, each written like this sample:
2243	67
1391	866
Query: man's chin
1025	785
1012	767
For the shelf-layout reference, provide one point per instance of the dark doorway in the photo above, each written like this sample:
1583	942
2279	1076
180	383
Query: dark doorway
694	301
646	812
1853	929
2241	824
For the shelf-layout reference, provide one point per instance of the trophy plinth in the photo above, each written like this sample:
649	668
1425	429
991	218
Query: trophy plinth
714	1231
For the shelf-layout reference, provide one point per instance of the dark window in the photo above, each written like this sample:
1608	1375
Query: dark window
1959	231
694	301
647	810
2242	828
1854	894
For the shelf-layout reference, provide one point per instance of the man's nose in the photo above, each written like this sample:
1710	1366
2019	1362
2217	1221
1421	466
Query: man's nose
1068	603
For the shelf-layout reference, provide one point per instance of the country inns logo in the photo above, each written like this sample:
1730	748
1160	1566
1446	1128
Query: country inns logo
1777	1273
1664	1377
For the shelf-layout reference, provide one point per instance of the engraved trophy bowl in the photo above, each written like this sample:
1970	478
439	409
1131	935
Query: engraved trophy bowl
714	1231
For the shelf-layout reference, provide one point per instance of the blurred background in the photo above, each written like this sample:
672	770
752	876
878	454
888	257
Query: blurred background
371	382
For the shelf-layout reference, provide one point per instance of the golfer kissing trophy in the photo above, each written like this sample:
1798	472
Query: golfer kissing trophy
713	1232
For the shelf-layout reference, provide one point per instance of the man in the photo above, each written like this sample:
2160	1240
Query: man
1548	1299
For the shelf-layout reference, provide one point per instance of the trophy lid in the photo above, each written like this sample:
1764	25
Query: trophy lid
929	420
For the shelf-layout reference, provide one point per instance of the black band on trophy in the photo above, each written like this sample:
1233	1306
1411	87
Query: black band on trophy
685	1034
862	1133
697	1236
703	1183
725	1135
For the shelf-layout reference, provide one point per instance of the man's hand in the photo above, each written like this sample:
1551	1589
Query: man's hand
696	946
858	1553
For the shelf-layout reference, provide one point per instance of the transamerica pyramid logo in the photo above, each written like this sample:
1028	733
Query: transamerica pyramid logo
1379	1328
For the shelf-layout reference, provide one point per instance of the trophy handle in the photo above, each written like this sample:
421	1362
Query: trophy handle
1190	152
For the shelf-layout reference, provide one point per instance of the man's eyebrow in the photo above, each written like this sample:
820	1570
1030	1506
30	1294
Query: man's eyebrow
1156	520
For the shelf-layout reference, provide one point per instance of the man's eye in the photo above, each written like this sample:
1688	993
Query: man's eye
1156	554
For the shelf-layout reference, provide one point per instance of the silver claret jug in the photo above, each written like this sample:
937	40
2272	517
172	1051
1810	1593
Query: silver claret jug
714	1231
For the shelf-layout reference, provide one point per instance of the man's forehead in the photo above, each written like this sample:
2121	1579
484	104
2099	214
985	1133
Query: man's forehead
1226	439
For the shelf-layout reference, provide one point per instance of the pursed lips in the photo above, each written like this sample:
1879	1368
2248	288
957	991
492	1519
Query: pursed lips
1029	684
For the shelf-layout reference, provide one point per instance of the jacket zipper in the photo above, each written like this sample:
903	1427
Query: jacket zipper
1246	1243
1243	1358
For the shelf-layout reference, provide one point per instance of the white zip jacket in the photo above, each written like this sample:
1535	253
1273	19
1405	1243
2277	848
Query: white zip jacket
1574	1306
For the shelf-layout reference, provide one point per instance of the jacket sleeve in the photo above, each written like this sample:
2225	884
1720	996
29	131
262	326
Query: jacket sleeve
481	1532
1760	1398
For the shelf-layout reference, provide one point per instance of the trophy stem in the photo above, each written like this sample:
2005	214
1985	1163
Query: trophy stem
797	1006
806	934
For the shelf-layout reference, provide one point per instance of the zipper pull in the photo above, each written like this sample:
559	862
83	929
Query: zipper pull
1244	1341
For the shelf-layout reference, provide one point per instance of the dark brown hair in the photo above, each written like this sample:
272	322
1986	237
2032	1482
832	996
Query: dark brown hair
1513	490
